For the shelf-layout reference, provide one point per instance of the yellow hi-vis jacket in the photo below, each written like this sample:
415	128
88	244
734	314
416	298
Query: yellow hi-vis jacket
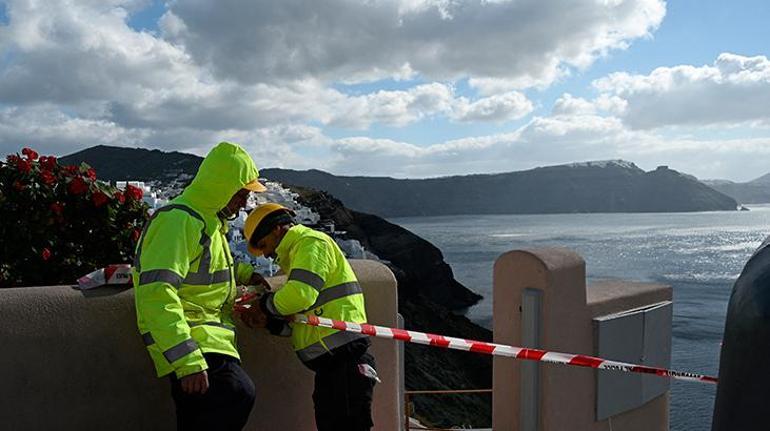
183	277
320	282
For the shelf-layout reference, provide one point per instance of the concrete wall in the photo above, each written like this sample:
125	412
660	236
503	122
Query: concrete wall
566	396
74	360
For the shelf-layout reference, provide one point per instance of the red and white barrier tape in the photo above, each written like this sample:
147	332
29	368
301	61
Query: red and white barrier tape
498	349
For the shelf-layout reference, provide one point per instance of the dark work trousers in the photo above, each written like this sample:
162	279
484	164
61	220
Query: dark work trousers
343	395
227	403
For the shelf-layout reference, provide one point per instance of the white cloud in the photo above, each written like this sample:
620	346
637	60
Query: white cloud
396	108
568	105
526	41
734	90
548	141
498	108
74	74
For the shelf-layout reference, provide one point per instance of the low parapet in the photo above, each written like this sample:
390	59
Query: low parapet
75	360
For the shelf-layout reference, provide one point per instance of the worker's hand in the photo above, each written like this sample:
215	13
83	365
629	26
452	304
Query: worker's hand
253	316
197	383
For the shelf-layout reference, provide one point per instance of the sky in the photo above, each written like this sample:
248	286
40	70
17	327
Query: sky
399	88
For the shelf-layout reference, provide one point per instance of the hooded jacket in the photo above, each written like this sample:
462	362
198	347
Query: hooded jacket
184	277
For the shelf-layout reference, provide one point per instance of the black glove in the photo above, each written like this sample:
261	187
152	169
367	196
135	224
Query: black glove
279	327
276	325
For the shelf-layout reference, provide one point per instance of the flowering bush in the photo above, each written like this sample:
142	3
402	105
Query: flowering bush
58	223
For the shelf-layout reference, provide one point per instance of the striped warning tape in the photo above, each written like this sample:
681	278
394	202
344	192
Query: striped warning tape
498	349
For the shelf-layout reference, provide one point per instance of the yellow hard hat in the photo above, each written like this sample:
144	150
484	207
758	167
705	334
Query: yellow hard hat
255	218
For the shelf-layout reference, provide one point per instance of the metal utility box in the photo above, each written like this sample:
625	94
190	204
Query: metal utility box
639	336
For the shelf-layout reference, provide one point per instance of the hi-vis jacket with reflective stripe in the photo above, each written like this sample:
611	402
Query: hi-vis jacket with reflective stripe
183	271
321	282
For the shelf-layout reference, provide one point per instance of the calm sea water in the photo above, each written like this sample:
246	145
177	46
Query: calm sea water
699	254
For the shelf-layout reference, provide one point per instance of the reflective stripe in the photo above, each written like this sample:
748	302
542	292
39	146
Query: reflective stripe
164	275
147	338
310	278
205	279
332	341
184	208
180	350
218	324
205	264
336	292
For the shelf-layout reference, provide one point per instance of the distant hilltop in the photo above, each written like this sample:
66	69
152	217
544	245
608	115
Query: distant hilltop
121	164
601	186
606	186
753	192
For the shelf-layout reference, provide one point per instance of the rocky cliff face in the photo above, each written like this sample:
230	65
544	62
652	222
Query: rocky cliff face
428	298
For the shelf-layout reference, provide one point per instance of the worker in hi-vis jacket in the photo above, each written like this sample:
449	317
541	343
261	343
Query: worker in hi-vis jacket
322	283
185	287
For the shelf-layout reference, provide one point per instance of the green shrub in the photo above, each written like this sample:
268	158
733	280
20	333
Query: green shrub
58	223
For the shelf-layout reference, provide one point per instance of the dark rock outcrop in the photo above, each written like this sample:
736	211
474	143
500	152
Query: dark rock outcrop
419	266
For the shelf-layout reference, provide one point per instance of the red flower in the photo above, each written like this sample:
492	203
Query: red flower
30	153
136	234
99	199
134	193
91	174
18	185
45	254
47	177
23	166
48	162
57	208
77	186
71	169
120	197
12	158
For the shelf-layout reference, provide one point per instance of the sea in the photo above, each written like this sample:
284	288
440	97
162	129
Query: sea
699	254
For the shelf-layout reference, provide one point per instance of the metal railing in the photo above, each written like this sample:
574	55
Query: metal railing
408	397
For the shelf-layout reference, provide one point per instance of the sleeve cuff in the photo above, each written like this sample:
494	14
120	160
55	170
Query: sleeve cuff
196	367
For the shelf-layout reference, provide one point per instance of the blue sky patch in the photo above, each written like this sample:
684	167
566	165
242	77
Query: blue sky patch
4	20
147	18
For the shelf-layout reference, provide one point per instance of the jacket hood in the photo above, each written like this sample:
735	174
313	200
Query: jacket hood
224	171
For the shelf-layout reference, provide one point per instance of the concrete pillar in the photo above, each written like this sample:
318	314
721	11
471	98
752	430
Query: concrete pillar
743	394
541	301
